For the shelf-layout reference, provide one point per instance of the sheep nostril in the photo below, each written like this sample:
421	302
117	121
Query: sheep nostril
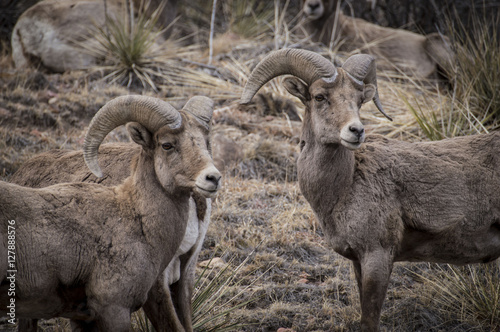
313	6
213	178
356	130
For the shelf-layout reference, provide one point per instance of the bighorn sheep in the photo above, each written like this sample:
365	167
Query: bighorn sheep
60	166
385	200
414	54
94	253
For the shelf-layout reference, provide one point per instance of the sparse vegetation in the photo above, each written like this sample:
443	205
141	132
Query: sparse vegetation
130	48
473	104
260	213
470	294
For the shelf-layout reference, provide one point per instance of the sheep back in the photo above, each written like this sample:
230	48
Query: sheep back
436	192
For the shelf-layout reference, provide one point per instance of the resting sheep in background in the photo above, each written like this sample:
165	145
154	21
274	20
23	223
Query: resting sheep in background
414	54
382	200
57	35
95	254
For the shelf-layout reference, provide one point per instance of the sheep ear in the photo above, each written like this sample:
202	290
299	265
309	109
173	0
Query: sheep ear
369	92
297	88
140	134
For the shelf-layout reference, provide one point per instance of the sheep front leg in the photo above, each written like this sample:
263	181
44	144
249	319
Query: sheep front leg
182	290
114	318
160	309
372	274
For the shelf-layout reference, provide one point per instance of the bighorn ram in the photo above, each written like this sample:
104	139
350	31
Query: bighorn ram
422	56
94	253
167	307
385	200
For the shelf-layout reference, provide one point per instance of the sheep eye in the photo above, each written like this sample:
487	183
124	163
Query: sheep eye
319	98
167	146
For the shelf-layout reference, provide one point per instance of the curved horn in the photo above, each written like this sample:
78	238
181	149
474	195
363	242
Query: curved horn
306	65
202	108
150	112
362	67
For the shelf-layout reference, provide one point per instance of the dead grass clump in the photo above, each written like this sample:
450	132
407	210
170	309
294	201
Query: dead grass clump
266	104
469	294
477	69
269	159
473	104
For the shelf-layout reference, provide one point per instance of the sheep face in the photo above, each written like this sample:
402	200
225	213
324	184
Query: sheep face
181	156
313	9
333	108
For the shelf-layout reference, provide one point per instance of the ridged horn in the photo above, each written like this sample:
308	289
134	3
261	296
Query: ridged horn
202	108
150	112
306	65
362	67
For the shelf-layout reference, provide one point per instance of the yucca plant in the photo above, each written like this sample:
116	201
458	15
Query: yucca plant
128	45
213	300
141	323
468	294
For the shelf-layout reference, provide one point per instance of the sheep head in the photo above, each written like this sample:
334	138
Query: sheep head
315	9
332	96
177	143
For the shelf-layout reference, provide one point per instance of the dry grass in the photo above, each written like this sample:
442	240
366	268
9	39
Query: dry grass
260	220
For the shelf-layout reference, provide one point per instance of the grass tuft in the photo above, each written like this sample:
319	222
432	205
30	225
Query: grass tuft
468	294
476	74
218	294
249	18
473	105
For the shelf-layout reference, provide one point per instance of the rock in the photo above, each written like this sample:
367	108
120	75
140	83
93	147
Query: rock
215	262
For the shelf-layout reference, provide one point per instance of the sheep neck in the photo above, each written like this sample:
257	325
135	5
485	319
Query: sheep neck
156	208
325	173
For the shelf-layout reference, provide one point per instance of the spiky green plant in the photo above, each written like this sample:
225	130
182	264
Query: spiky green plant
141	323
468	294
214	302
450	120
128	45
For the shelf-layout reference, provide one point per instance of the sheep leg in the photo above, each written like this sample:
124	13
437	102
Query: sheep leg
160	309
182	292
357	274
114	318
373	273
